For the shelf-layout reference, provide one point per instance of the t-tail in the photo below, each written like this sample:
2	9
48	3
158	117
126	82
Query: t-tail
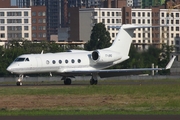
123	39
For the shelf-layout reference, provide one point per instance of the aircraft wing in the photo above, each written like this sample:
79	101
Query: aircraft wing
119	72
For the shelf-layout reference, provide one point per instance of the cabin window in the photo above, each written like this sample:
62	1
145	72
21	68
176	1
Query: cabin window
66	61
79	61
47	61
60	61
19	59
72	61
53	61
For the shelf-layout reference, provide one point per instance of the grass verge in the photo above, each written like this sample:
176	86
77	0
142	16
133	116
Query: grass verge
140	97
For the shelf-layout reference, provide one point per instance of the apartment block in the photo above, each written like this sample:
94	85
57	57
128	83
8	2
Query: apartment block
15	24
169	34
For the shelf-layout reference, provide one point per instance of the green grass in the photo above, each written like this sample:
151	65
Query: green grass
146	97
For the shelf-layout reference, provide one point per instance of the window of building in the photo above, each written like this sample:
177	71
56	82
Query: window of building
26	28
44	20
108	20
40	20
1	20
95	21
108	13
95	13
103	20
172	35
34	35
139	21
2	35
1	13
133	14
26	35
103	14
139	14
127	14
177	28
139	34
2	28
143	14
118	14
33	27
33	13
177	14
25	20
112	13
143	21
25	13
177	21
112	20
33	20
148	14
44	35
14	21
44	13
177	35
172	21
118	21
162	21
162	14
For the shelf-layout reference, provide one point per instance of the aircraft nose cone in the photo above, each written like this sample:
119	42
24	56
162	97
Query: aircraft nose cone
9	69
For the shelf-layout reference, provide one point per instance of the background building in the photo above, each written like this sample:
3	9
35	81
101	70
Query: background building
15	24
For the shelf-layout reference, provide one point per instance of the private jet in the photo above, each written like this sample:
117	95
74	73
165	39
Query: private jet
81	62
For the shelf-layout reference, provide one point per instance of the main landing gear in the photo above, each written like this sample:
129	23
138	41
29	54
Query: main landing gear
67	81
19	81
94	80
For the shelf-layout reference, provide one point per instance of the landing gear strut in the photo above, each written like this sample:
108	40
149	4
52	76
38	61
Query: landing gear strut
94	80
19	81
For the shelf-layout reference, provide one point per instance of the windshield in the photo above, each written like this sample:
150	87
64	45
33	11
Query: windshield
19	59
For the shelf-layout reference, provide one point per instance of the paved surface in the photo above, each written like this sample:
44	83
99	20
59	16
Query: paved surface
98	117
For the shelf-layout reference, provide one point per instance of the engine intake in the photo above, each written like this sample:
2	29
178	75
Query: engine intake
102	56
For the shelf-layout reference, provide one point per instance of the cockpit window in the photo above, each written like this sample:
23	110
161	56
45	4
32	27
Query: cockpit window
19	59
27	59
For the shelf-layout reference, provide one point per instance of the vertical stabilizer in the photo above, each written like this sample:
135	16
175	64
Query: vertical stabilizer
123	39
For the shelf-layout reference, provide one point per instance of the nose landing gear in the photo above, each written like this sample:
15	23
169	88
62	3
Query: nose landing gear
19	81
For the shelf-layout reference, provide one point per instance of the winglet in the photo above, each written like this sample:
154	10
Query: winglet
168	66
42	52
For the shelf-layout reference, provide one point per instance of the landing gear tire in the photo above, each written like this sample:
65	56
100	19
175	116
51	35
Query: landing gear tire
93	82
19	83
67	81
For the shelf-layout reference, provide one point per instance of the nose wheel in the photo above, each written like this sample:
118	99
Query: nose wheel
19	81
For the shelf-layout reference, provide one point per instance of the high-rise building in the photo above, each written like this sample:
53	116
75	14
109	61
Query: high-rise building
53	13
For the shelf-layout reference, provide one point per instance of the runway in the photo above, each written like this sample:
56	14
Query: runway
95	117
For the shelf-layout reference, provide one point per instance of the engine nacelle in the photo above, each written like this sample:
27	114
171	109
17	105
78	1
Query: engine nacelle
103	56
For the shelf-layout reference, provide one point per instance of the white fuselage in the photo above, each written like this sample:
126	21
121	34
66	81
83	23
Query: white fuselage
57	62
